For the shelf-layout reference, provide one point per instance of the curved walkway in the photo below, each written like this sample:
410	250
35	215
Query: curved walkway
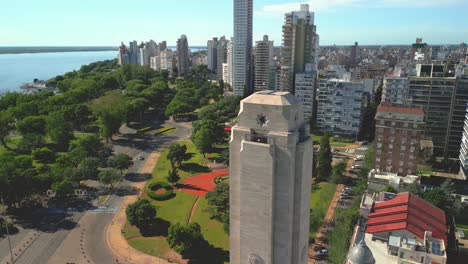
201	184
115	240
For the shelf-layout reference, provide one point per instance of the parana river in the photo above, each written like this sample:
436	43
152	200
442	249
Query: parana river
16	69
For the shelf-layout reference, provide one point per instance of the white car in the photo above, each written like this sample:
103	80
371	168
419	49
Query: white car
461	234
357	158
355	166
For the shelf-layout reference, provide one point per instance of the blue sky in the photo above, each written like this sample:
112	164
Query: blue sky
341	22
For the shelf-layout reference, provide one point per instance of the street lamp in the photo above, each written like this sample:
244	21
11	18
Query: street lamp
7	232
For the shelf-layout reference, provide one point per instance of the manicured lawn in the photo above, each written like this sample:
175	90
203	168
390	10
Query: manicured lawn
155	246
102	199
176	209
212	229
130	231
189	168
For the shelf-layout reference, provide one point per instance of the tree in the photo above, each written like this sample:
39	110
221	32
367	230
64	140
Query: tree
32	125
44	155
109	177
111	111
218	201
7	123
389	189
63	188
225	157
173	176
141	213
121	162
59	130
88	168
177	154
337	172
88	146
185	239
202	140
324	168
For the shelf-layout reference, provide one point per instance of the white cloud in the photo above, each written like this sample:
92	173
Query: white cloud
330	5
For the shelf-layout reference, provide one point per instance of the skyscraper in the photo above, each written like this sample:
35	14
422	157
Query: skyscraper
242	48
221	54
229	62
183	56
300	42
352	60
212	54
263	63
270	181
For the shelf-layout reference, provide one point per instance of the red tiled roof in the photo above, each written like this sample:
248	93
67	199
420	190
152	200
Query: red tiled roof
400	109
407	211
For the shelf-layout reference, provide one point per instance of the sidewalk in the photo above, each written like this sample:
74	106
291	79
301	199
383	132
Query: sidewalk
119	246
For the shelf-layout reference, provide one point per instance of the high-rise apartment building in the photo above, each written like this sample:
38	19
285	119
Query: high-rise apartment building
242	48
212	54
395	90
340	104
183	56
221	57
464	149
229	62
124	55
305	90
398	132
300	43
134	57
167	58
437	95
263	63
353	57
270	181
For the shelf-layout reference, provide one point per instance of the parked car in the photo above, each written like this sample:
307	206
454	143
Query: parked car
461	234
364	143
357	159
141	158
344	196
347	189
356	166
321	252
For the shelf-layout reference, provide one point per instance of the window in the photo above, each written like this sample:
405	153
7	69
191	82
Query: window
403	147
410	171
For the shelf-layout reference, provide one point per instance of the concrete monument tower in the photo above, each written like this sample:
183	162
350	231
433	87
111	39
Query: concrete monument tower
270	181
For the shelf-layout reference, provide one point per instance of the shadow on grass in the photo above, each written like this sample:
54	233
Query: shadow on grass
208	254
194	168
158	228
189	187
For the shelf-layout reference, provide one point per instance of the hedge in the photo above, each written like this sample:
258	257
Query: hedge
163	130
144	130
153	186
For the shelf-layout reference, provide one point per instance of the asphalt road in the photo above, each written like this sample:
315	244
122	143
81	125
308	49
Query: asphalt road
82	239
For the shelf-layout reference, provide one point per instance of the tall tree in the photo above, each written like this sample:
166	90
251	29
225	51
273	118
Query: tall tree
324	168
110	110
218	201
7	124
121	162
59	129
177	154
109	177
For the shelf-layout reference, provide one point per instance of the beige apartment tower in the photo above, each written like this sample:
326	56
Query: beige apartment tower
270	181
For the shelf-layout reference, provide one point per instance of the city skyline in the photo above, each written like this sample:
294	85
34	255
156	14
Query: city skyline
342	21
